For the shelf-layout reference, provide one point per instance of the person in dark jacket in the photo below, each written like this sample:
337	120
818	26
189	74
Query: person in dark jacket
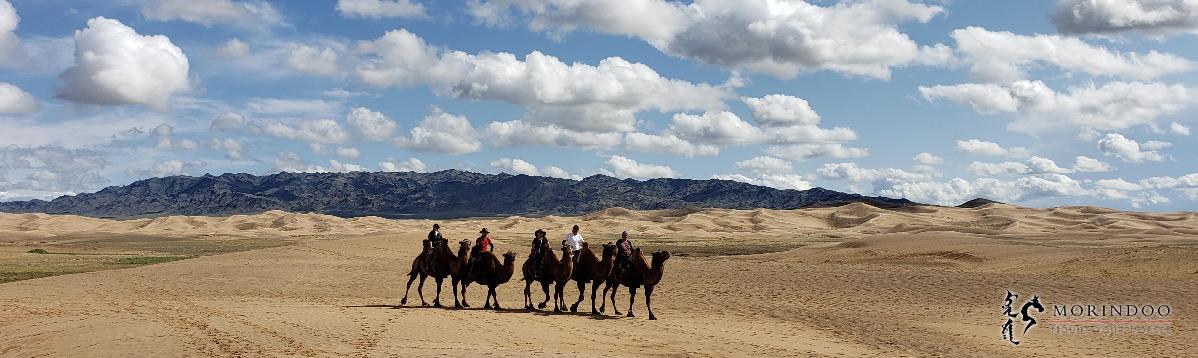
537	255
434	241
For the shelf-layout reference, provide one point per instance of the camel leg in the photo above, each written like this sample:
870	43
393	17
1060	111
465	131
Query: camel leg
615	310
411	277
528	295
494	297
582	288
420	290
464	285
594	287
649	302
487	301
544	287
437	300
603	305
561	295
631	300
454	282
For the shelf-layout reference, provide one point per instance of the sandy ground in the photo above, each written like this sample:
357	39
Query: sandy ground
847	281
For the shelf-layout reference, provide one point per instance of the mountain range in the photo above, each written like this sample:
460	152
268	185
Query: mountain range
443	194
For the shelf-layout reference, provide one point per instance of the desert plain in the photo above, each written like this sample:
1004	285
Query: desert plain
845	281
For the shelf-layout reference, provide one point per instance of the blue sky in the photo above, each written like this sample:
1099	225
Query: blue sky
1038	103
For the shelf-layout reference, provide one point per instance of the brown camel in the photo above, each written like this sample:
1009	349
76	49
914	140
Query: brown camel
561	275
548	261
489	272
445	264
458	273
639	274
421	266
554	271
591	269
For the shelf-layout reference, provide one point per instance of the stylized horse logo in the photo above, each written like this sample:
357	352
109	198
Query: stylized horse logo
1033	303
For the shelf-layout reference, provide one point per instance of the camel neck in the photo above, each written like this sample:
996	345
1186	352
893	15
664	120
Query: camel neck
652	272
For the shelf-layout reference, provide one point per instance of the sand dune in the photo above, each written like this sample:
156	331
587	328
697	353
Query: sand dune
854	280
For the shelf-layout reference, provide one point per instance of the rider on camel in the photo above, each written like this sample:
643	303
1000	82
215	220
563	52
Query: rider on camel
623	254
539	243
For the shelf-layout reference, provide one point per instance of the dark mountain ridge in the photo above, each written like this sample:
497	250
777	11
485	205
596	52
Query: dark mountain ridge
443	194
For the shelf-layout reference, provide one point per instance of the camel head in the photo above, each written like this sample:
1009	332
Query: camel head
427	245
566	252
586	245
660	256
509	257
609	250
463	245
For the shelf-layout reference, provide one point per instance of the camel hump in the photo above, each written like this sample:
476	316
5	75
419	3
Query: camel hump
487	255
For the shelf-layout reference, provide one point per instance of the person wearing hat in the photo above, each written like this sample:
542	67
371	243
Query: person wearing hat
481	244
539	243
434	241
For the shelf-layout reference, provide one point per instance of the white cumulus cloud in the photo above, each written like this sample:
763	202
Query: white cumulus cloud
627	168
1179	129
407	165
116	65
667	143
212	12
1116	145
926	158
9	42
234	48
1111	106
15	100
372	125
519	166
1152	17
774	37
317	131
1090	165
801	152
378	9
577	96
1004	56
444	133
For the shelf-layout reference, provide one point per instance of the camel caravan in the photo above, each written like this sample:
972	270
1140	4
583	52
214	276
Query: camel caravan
617	264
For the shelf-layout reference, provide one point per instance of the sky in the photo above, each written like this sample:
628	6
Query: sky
1031	102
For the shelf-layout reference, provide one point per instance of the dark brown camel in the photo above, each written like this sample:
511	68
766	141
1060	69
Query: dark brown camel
591	269
489	272
458	273
561	275
548	262
554	271
639	274
421	266
445	264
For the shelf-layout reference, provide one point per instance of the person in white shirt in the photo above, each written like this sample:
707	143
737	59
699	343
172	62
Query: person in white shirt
574	241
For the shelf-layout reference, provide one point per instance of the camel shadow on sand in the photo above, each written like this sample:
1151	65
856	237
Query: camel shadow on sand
503	311
549	313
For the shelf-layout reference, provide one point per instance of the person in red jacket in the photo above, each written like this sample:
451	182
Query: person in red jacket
481	244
